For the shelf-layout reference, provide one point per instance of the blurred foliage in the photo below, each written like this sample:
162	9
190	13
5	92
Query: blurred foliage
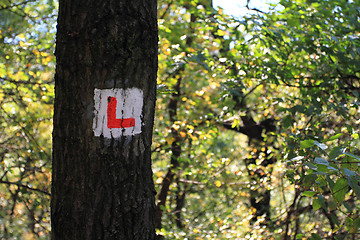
26	97
297	64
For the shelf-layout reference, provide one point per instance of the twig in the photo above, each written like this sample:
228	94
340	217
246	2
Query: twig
253	9
25	186
16	5
166	10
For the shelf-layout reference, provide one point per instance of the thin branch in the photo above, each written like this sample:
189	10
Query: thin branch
26	187
248	93
23	82
27	133
253	9
16	5
166	10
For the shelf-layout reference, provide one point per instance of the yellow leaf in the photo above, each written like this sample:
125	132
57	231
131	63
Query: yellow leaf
159	173
217	183
175	127
235	123
193	137
46	60
183	134
191	50
36	52
214	84
21	35
170	140
221	32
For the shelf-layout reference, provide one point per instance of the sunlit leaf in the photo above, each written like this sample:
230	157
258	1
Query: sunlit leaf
320	145
307	143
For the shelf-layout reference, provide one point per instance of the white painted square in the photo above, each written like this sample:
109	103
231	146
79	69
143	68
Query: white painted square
129	105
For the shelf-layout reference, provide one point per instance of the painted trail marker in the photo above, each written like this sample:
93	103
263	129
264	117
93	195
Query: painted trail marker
117	112
112	121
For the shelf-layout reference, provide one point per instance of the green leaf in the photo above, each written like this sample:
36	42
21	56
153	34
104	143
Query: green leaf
322	169
293	21
332	168
332	138
340	189
347	206
349	223
311	166
307	144
299	109
330	182
316	204
322	146
299	236
353	156
349	163
334	219
349	173
321	161
309	193
315	4
309	180
287	121
336	152
355	226
321	200
354	184
315	236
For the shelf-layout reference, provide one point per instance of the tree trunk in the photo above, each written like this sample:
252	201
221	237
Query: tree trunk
105	90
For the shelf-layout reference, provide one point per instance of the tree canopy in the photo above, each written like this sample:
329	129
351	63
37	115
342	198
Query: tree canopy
256	130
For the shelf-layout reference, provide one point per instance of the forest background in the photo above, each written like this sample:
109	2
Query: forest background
257	121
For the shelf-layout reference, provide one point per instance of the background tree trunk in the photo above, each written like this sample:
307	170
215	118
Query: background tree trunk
102	187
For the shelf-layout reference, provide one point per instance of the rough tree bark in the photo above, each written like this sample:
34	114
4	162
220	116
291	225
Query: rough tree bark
102	179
